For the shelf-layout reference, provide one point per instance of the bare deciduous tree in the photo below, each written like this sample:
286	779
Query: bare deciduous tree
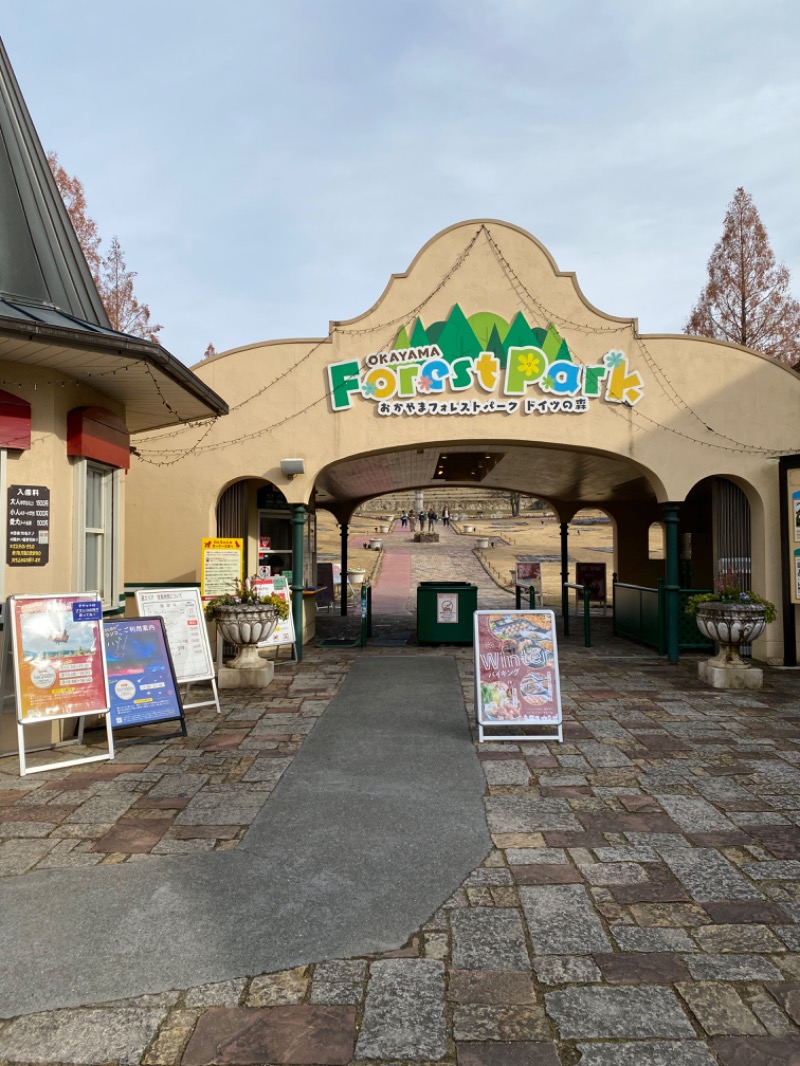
74	198
124	311
110	273
746	299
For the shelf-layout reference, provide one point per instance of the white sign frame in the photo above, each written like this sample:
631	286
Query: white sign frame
536	583
9	671
178	608
524	645
283	633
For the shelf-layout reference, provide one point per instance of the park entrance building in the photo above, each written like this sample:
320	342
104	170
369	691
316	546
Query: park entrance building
483	365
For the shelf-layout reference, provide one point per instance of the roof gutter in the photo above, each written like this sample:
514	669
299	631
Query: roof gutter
119	346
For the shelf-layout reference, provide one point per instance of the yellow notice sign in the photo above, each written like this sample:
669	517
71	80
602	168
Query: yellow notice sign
222	565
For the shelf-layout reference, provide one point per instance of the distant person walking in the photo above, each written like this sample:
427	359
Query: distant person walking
431	520
445	515
422	521
412	521
403	520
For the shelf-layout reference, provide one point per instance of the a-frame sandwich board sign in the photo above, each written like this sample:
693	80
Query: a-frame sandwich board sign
517	682
142	685
54	657
185	625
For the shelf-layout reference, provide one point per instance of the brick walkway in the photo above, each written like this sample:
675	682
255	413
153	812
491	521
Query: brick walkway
640	904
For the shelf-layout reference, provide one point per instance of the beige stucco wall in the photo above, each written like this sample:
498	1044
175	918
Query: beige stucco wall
46	464
708	409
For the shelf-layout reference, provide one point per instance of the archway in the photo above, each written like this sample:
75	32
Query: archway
482	364
717	535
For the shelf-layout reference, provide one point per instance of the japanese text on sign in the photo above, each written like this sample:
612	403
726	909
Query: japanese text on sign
28	540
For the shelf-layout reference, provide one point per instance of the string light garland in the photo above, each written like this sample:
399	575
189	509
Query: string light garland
668	389
336	330
536	306
61	382
532	304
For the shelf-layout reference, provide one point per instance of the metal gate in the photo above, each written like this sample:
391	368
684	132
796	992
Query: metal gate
731	511
732	558
232	511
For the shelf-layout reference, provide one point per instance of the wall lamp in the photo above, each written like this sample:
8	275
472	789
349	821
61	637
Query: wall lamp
290	468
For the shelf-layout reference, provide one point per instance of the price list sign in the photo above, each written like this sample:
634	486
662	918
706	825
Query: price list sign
28	540
187	636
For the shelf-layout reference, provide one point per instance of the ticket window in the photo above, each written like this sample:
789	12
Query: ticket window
274	543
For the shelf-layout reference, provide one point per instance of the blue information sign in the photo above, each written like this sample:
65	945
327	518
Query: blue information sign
87	611
141	678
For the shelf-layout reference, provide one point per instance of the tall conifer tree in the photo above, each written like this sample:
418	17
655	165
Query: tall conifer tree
746	299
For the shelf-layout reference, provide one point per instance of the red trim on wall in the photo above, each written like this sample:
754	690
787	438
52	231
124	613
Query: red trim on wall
15	421
96	433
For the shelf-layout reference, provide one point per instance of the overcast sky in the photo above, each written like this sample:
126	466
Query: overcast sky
267	165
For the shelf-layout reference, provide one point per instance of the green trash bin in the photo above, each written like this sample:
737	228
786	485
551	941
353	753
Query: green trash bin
444	612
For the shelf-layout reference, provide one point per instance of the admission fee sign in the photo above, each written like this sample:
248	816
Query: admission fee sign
143	689
55	647
187	637
516	675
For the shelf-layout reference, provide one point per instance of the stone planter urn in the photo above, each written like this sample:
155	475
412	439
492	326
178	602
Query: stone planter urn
246	626
730	625
483	542
376	544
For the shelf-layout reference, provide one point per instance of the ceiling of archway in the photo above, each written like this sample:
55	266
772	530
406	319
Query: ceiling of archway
556	474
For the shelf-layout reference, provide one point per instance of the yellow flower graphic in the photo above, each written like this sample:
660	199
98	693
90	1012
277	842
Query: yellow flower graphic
530	365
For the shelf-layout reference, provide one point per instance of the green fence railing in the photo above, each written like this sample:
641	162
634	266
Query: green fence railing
366	614
640	614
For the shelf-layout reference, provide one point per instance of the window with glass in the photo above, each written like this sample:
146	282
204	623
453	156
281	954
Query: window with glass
274	543
97	508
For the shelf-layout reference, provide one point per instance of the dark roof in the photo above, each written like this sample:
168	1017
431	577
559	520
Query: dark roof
51	315
40	257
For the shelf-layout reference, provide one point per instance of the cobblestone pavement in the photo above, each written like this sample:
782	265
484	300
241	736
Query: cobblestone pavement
640	905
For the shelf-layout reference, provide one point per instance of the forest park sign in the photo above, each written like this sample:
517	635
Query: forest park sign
422	381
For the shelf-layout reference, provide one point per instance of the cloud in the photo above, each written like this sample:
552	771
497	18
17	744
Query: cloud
267	170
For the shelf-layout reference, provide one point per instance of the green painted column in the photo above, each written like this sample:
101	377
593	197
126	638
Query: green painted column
672	583
344	528
564	527
298	529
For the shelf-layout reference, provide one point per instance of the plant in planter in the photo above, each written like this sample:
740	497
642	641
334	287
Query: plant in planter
730	617
246	617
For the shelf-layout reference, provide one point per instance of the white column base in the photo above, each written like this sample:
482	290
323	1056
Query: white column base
259	677
730	675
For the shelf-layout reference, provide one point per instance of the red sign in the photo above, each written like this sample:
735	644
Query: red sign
593	575
59	656
516	668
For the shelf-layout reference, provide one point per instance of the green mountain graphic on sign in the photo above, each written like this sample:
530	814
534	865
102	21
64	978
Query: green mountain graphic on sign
458	336
484	323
